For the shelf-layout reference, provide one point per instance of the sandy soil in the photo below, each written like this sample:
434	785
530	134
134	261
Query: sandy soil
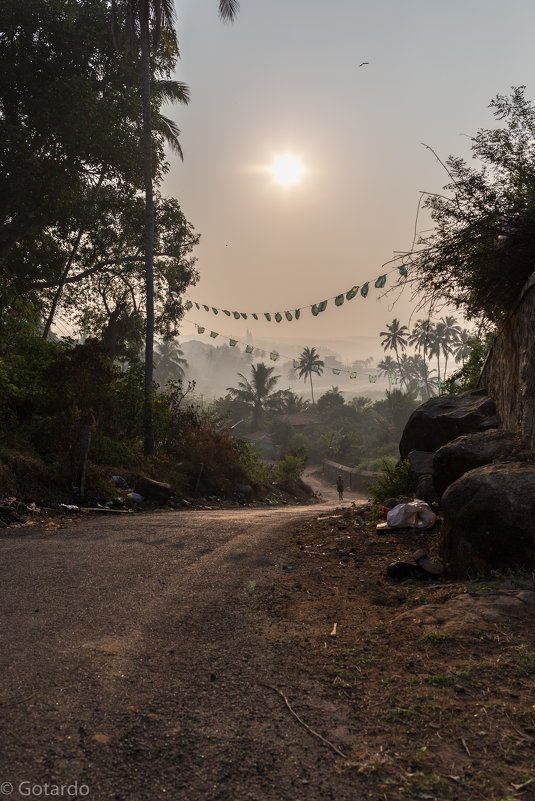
194	655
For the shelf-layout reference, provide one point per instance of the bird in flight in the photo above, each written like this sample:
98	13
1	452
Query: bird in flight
363	63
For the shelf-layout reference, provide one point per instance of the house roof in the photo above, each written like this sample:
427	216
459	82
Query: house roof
302	419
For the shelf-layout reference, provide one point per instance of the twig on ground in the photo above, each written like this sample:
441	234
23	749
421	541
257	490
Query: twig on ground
15	703
305	725
466	747
524	784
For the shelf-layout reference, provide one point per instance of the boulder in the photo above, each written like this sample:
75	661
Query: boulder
425	490
153	490
489	520
420	464
465	453
443	419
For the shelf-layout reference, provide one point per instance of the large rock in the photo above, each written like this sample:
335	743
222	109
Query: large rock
465	453
442	419
489	520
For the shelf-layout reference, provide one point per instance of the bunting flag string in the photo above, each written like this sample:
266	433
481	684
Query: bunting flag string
274	356
292	315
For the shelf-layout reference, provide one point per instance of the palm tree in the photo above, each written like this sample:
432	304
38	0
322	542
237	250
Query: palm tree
146	22
421	382
452	331
395	338
419	336
310	362
255	393
170	362
389	368
437	343
462	348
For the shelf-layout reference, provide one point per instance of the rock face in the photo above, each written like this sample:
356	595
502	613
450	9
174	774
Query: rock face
443	419
465	453
153	490
489	520
509	371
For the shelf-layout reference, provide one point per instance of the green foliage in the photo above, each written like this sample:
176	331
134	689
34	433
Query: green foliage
467	376
393	482
291	467
480	253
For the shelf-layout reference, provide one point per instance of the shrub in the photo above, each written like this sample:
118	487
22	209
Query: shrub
393	481
291	467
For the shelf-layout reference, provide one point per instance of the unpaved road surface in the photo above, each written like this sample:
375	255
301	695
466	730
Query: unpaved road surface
137	662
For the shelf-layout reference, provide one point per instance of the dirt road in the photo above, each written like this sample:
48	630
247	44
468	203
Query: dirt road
136	663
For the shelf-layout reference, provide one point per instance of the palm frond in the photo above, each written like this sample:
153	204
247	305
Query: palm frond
228	9
173	91
171	132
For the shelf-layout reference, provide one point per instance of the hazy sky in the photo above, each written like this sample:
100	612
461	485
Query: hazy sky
285	78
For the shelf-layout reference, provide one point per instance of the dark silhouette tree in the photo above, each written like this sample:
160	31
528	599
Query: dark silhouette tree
310	362
395	338
254	394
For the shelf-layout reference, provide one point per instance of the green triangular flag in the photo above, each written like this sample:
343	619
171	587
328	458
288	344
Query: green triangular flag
352	375
273	355
200	329
315	368
254	316
233	343
297	364
297	314
402	270
364	289
339	299
393	380
249	349
421	383
322	306
373	379
288	315
188	305
225	311
236	315
352	292
198	307
267	315
214	334
215	311
278	317
242	314
336	371
205	307
174	295
315	309
381	281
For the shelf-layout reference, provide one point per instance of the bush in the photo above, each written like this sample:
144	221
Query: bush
393	481
291	467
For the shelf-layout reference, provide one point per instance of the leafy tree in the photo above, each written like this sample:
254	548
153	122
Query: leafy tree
395	338
480	252
419	336
285	401
467	376
255	393
461	348
330	402
310	362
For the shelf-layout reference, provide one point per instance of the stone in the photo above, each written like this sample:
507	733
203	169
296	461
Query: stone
466	453
153	490
425	490
489	520
443	419
420	463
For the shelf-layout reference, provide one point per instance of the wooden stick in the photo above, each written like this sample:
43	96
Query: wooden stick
466	747
305	725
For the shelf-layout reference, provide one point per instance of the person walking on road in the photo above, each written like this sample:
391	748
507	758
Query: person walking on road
340	487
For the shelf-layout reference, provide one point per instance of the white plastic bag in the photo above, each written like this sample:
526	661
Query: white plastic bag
416	514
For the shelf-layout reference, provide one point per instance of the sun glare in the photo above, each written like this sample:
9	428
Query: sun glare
286	170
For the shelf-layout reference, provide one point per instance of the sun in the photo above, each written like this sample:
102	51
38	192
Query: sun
286	170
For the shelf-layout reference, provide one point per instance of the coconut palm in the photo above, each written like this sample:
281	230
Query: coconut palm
395	338
310	362
462	348
419	336
421	381
169	362
145	23
389	368
452	331
255	393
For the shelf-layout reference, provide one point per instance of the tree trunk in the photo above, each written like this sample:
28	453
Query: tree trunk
311	387
148	417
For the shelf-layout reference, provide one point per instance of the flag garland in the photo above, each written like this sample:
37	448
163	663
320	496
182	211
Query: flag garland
315	308
296	363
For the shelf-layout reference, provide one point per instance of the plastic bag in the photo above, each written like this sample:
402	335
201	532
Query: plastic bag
416	514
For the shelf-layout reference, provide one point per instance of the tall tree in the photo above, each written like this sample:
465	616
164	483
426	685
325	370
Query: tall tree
452	331
254	394
395	338
419	336
146	22
310	362
389	368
